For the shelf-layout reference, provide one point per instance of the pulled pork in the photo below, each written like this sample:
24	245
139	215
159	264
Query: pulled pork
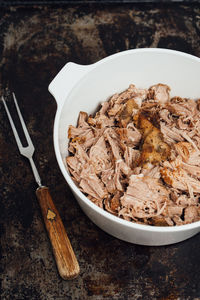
138	157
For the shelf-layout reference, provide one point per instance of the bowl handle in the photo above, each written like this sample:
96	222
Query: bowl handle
65	80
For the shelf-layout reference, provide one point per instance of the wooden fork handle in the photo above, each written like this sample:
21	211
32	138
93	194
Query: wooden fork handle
66	261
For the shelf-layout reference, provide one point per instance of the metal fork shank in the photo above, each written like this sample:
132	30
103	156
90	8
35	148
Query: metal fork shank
35	172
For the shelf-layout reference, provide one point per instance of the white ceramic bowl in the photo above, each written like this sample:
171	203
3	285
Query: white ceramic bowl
81	88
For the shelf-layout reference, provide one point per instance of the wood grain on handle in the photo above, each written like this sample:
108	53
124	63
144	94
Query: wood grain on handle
67	263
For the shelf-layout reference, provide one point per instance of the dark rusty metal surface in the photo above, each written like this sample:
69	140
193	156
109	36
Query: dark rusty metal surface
66	2
35	42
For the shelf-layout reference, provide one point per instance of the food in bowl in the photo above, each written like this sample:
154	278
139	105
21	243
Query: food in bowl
138	157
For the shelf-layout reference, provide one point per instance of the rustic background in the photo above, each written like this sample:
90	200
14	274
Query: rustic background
35	42
61	2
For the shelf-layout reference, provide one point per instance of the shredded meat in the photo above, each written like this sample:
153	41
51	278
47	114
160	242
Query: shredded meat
145	197
154	149
138	156
159	92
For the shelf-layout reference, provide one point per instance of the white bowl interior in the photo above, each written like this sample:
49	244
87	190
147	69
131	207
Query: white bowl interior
143	68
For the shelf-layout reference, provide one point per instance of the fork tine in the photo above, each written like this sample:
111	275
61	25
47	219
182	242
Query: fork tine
28	138
19	144
28	150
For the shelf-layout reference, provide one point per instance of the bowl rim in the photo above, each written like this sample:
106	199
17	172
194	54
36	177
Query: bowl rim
72	185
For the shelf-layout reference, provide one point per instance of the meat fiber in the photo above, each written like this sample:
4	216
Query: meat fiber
138	156
159	92
145	197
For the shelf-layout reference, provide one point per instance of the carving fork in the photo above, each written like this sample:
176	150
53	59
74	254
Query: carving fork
66	261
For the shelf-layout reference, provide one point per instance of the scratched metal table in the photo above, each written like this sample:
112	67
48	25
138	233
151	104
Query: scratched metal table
35	42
